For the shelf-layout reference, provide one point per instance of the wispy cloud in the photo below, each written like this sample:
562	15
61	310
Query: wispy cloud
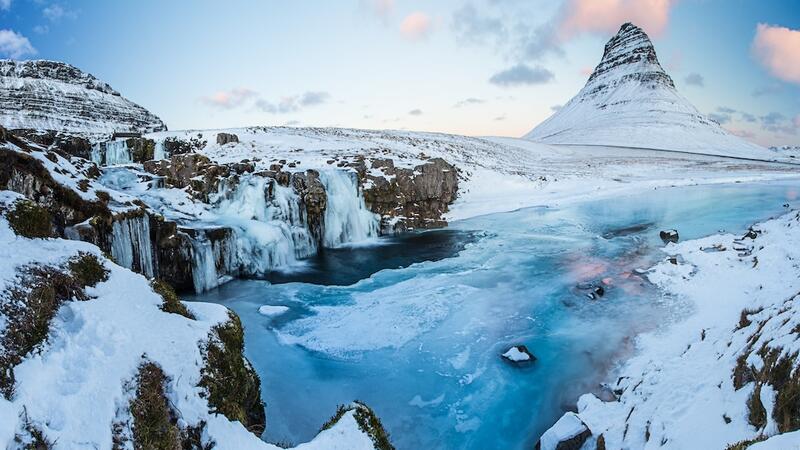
417	25
415	112
55	12
469	101
778	123
556	108
381	8
778	50
474	26
229	99
5	5
520	75
293	103
695	79
605	16
14	45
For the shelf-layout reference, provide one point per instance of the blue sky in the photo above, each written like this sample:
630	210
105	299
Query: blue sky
477	67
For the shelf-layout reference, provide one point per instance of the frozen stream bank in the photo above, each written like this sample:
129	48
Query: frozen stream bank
421	344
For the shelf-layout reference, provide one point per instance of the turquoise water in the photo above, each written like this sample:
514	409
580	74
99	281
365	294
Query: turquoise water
420	342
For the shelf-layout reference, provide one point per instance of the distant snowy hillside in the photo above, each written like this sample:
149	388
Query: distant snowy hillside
50	95
631	101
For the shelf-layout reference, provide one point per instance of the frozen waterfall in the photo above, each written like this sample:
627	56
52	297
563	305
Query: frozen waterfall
270	227
269	221
130	244
111	153
159	152
213	261
347	218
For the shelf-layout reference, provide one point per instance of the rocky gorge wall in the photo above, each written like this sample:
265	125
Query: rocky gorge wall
300	211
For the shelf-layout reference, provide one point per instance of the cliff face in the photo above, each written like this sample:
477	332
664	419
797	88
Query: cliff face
630	101
50	95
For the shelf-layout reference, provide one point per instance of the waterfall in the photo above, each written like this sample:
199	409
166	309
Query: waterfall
213	261
347	218
111	153
269	221
130	244
159	152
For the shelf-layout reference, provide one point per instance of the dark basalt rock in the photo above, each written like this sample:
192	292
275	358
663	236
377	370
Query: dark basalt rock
518	355
669	236
66	144
315	200
413	198
195	171
226	138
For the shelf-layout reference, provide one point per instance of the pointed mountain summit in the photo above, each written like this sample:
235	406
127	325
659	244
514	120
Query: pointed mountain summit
630	101
52	95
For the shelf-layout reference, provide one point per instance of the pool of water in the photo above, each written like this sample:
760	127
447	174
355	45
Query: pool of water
421	342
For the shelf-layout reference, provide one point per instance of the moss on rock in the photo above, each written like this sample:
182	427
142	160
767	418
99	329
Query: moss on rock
87	269
30	220
154	424
370	424
232	386
172	304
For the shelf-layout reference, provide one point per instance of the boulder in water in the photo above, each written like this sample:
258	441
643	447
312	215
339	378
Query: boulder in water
519	355
669	236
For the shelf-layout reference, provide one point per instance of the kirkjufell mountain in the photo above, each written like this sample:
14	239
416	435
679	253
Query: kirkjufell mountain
630	101
52	95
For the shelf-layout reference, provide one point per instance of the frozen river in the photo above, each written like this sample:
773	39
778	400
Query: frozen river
414	326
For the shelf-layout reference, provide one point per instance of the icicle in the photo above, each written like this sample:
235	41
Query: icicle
97	153
347	218
130	243
213	262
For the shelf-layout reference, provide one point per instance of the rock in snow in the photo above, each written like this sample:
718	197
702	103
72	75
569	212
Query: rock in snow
569	433
630	101
51	95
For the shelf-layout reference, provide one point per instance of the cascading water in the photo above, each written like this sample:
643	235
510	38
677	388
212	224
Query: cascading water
130	244
269	223
159	152
111	153
213	261
347	218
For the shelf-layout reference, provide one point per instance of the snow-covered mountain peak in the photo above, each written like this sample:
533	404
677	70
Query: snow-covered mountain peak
630	56
630	101
52	95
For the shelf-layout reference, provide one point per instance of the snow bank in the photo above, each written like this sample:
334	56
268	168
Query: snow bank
680	390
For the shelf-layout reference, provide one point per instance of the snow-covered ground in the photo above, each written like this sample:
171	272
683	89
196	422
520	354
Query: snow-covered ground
497	173
72	388
679	391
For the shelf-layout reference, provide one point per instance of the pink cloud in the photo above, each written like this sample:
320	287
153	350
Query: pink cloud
605	16
742	133
797	121
229	99
778	50
416	25
586	71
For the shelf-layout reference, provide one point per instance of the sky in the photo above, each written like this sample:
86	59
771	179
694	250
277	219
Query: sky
474	67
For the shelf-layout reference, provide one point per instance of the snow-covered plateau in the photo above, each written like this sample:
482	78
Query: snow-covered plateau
467	289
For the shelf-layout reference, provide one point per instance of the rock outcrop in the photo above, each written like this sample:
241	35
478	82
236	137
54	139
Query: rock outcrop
196	172
51	95
409	199
226	138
